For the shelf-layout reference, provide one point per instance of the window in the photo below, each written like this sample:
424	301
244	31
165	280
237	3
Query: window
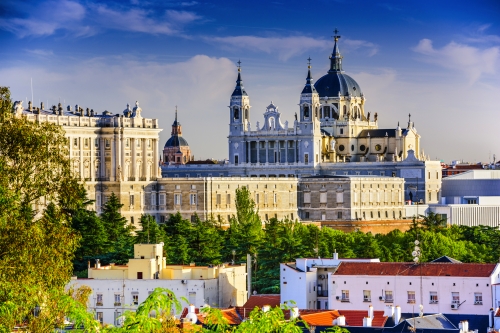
98	300
455	298
132	220
75	142
131	200
218	199
118	320
127	143
367	296
411	297
118	301
138	142
139	274
430	196
228	199
345	295
388	296
257	198
339	215
306	216
236	159
307	198
192	199
433	297
162	199
96	143
86	143
236	114
478	298
275	198
135	299
177	199
107	143
100	317
471	201
306	158
306	111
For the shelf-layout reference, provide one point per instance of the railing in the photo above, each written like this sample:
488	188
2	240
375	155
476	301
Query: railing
102	179
142	178
131	178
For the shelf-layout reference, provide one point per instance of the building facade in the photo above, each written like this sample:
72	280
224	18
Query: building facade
118	288
332	134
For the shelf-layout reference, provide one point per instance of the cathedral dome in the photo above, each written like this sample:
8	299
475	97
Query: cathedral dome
335	83
176	141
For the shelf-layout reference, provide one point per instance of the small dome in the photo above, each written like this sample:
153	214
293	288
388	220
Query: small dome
176	141
331	84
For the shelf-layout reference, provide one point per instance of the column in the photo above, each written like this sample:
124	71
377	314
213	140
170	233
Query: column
102	167
258	151
295	151
298	150
267	151
122	160
112	176
81	141
133	167
92	159
286	151
155	159
144	157
277	150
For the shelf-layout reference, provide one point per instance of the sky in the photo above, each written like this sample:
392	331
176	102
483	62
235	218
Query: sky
436	60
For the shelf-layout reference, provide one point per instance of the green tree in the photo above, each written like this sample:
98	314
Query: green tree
150	232
120	240
432	221
206	242
37	242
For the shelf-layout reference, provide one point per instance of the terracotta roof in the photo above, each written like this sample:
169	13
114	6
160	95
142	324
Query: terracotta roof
261	300
230	314
322	318
355	317
411	269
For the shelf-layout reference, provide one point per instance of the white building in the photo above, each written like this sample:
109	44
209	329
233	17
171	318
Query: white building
441	287
471	198
305	281
117	288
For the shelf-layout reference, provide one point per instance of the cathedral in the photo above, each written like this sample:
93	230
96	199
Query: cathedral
332	134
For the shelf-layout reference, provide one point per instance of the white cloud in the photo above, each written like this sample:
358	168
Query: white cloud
284	47
40	52
47	18
472	61
181	17
353	45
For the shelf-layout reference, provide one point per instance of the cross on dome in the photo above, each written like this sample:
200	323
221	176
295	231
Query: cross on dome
336	36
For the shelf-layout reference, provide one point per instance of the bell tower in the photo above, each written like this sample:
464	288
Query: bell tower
239	121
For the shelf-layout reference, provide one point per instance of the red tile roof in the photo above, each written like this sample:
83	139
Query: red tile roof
355	317
411	269
322	318
261	300
230	314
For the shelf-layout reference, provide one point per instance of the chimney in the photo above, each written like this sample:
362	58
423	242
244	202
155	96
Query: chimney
397	315
41	106
68	108
370	311
367	322
97	263
30	106
340	320
91	112
266	308
77	108
335	255
294	313
389	311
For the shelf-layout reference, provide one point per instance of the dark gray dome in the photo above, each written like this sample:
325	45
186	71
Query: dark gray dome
176	141
334	82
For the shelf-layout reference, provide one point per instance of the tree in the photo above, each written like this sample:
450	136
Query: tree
37	242
150	231
206	242
120	240
432	221
271	321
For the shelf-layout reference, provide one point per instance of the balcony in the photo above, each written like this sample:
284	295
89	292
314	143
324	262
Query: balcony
323	293
98	304
118	304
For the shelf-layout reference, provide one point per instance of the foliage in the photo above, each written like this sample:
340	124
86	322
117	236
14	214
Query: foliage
37	243
269	321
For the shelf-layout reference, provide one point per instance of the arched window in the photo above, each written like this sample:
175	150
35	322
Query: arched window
306	111
345	111
236	114
246	113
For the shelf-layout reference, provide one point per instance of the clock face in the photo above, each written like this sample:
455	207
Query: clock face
378	147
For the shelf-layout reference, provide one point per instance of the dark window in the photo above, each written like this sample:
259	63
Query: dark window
306	111
236	113
306	215
341	131
139	275
362	147
236	159
352	147
341	147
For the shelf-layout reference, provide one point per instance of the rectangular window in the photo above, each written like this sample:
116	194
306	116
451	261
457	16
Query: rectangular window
96	143
307	198
275	198
139	274
388	296
107	143
100	317
478	298
411	297
98	301
455	298
228	199
135	299
345	295
177	199
153	199
367	296
339	215
131	200
218	199
236	159
86	143
306	159
162	199
118	301
257	198
192	199
306	215
118	320
322	197
433	297
75	142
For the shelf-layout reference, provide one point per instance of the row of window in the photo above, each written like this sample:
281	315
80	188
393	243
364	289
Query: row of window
388	297
107	142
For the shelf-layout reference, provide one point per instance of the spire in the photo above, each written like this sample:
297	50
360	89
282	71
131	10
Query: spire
175	121
309	87
239	90
176	126
336	58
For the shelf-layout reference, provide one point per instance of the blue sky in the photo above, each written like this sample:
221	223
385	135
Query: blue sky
438	60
